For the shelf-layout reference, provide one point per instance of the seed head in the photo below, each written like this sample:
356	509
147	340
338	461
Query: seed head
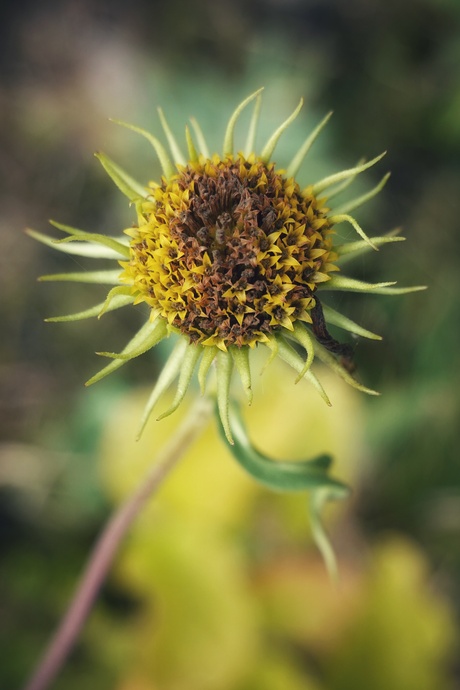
229	252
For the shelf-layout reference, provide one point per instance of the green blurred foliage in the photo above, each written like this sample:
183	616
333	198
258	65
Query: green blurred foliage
390	72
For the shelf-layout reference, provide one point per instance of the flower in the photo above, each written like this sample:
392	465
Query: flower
229	253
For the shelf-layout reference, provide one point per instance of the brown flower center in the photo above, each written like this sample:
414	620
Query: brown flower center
230	251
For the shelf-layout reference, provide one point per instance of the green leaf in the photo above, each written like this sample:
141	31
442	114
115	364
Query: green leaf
318	499
303	475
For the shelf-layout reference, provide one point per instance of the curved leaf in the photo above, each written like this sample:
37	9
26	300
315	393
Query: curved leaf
303	475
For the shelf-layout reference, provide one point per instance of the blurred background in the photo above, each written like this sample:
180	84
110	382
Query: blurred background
219	586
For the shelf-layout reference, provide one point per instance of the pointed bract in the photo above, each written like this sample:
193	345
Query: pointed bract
189	361
116	303
302	336
350	250
340	282
326	182
336	319
202	145
124	291
150	333
83	249
224	377
174	147
98	277
192	153
209	355
343	218
291	357
228	138
241	359
168	374
125	183
294	165
166	165
339	369
342	186
252	130
269	147
121	249
360	200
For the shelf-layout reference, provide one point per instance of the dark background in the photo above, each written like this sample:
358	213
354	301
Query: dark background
391	73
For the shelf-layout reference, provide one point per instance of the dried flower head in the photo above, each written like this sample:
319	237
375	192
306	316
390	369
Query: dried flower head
229	252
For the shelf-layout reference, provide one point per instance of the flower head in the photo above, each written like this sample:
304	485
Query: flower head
229	252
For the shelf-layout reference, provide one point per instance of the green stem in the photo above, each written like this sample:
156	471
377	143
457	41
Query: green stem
107	545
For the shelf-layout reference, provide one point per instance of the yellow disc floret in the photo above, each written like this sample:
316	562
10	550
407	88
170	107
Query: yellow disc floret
228	251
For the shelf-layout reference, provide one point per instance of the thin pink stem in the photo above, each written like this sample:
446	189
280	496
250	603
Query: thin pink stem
106	547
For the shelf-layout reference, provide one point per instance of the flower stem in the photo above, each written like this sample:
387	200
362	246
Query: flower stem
106	547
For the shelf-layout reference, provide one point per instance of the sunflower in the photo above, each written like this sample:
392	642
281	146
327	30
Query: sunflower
229	254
